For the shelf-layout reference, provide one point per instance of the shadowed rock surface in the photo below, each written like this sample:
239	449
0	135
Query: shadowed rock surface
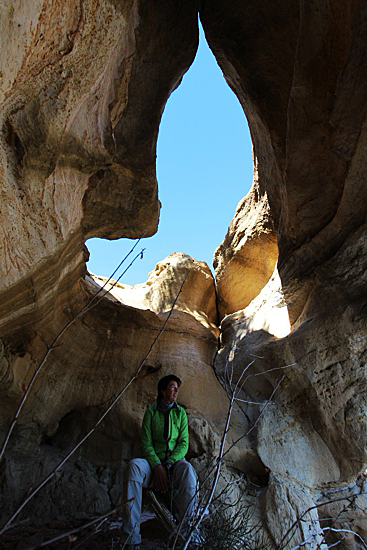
83	88
299	72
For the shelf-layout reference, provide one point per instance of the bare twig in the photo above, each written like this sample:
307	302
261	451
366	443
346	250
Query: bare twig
115	400
233	390
128	538
315	507
82	527
219	461
216	467
266	404
332	529
351	501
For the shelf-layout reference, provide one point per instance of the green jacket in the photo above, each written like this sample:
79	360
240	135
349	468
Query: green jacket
154	447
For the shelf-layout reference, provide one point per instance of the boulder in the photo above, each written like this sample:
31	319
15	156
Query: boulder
246	259
197	298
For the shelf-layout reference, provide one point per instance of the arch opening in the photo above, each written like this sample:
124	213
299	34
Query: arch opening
204	168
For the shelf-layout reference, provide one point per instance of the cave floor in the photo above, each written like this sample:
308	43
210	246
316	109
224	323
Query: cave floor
98	537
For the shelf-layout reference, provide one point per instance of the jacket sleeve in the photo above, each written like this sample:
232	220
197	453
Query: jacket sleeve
182	444
147	448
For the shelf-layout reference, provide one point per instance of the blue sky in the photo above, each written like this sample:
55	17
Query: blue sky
204	167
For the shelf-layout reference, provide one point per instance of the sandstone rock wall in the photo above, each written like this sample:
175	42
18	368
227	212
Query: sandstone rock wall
83	87
82	95
299	74
96	359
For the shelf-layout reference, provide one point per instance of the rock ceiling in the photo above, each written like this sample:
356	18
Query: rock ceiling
83	88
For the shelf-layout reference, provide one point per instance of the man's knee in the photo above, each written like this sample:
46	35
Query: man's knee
184	472
184	467
137	470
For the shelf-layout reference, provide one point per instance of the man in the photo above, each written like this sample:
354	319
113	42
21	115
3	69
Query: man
164	444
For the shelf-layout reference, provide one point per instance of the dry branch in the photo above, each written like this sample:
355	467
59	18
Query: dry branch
350	498
233	391
85	526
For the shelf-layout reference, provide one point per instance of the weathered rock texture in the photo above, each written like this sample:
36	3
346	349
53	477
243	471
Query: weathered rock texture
197	297
246	259
300	73
100	353
83	87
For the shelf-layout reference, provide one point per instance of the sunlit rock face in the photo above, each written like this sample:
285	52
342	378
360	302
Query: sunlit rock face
197	297
300	74
246	259
83	87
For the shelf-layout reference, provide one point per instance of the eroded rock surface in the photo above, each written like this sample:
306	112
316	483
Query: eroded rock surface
299	75
197	297
246	259
83	87
96	359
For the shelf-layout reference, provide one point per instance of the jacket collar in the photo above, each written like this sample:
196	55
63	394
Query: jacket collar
158	408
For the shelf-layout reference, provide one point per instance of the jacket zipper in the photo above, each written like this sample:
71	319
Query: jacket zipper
168	436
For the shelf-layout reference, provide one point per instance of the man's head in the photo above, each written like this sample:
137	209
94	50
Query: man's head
168	388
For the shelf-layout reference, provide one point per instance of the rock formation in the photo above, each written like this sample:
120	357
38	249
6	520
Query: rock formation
83	88
300	74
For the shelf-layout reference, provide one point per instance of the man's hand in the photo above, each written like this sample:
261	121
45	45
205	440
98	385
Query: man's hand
160	482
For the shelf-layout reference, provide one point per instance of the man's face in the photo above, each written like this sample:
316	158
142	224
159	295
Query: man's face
170	393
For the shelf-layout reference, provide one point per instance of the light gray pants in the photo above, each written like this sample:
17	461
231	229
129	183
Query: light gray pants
138	475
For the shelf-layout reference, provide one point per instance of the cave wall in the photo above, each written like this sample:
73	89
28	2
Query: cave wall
83	88
82	94
299	71
95	360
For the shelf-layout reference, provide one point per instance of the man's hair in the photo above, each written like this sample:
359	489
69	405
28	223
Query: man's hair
163	383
